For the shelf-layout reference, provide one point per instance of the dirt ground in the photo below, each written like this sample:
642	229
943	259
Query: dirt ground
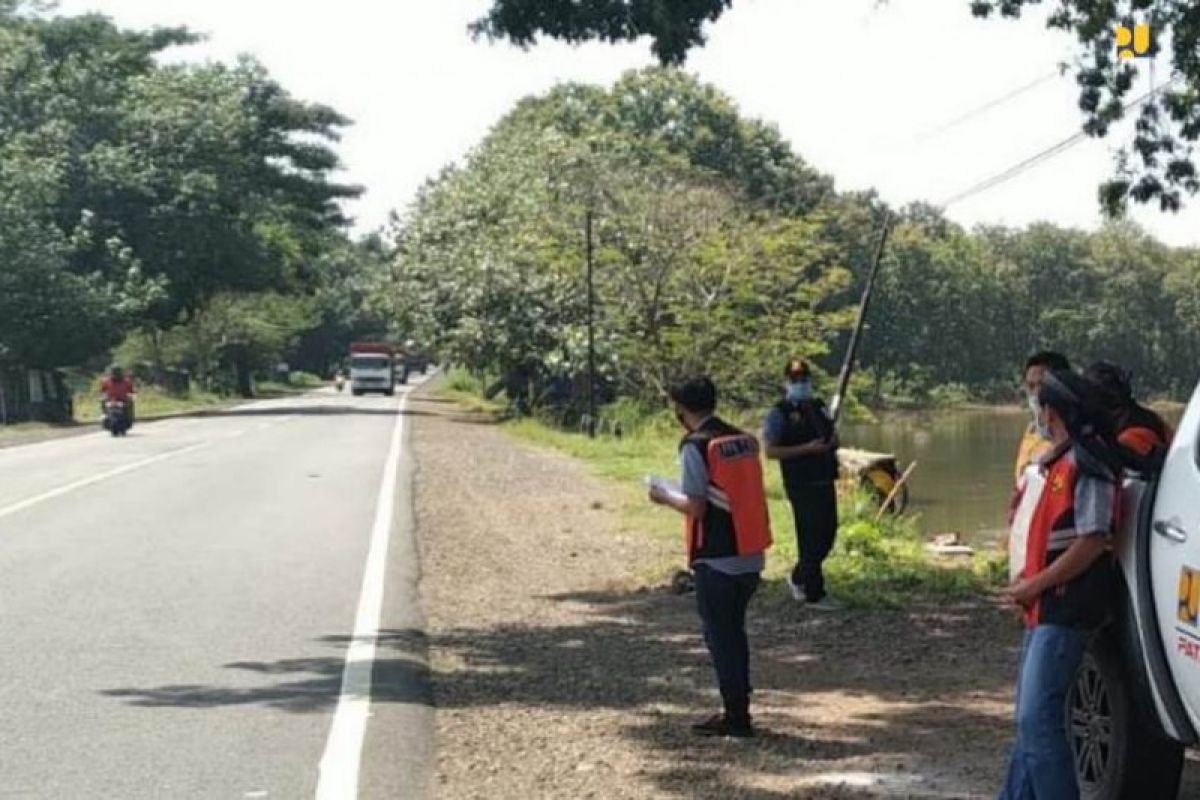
559	673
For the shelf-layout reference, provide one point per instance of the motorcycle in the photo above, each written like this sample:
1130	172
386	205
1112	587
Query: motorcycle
339	382
115	417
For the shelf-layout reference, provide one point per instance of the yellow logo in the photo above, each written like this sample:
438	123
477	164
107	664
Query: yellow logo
1135	43
1189	595
1057	484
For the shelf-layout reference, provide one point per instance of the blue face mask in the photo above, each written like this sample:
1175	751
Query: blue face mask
800	391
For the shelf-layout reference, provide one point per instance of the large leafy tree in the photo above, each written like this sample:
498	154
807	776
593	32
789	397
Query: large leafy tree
687	234
131	194
674	26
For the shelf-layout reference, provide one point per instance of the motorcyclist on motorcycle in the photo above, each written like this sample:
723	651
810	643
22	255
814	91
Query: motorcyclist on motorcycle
117	387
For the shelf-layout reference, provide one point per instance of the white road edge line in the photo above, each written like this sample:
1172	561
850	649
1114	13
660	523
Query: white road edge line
145	462
338	772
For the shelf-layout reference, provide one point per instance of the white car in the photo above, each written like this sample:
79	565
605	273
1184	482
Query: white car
1135	705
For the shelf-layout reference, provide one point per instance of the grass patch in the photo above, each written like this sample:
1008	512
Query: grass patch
152	401
305	380
22	430
882	564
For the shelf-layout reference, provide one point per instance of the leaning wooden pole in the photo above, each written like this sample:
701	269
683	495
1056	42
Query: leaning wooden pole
856	336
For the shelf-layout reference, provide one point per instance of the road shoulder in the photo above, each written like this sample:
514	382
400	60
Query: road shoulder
558	672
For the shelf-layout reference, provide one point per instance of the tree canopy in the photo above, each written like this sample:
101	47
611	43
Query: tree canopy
674	26
134	194
700	264
684	194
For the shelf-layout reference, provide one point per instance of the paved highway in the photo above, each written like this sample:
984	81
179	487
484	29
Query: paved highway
221	606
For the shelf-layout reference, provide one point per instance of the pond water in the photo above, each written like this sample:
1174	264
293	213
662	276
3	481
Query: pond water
964	473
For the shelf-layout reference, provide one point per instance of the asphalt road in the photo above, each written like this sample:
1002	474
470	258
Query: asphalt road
177	609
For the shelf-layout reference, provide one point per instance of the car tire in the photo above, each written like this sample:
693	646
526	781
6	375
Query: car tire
1116	758
356	392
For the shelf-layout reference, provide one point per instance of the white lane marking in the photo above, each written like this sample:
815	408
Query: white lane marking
338	778
145	462
103	476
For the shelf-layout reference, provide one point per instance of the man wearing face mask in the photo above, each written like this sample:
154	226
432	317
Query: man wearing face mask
1036	440
727	531
1065	584
800	436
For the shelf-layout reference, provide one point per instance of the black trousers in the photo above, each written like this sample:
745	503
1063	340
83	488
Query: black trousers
814	507
722	600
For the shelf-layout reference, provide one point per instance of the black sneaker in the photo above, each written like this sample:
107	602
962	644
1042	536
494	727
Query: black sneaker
721	725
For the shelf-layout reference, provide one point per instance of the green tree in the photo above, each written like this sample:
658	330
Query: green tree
674	26
492	254
132	194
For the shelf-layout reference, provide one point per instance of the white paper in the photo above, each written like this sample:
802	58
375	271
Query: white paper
669	487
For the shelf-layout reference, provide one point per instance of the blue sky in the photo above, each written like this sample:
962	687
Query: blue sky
854	85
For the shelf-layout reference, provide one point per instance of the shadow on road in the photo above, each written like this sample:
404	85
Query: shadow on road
303	685
640	653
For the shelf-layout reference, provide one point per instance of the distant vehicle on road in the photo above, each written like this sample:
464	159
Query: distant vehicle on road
373	368
416	359
116	417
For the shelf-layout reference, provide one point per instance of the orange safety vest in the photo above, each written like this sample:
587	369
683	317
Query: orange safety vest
1050	534
1143	440
736	521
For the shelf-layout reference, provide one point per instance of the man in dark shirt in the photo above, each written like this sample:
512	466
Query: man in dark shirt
800	436
728	532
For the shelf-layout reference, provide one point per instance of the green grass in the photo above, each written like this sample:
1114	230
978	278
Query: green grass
152	401
22	430
882	564
305	380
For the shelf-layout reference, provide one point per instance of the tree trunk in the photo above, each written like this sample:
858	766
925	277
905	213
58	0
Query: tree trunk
242	373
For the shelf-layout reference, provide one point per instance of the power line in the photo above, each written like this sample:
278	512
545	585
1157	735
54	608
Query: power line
1044	155
921	138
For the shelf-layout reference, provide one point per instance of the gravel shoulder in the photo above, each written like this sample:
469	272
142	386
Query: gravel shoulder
562	670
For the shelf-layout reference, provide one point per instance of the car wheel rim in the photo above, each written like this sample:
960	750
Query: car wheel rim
1091	724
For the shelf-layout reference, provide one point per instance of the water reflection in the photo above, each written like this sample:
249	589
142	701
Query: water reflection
965	474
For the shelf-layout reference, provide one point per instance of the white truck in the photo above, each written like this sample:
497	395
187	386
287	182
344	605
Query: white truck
373	368
1135	705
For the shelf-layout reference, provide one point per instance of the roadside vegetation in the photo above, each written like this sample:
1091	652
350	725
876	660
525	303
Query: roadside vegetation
718	248
181	219
880	563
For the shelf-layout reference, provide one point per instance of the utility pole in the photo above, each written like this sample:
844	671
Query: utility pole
864	304
591	332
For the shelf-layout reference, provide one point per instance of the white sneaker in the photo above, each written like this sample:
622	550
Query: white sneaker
826	603
796	589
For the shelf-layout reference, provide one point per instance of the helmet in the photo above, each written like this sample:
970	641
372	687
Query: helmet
1112	380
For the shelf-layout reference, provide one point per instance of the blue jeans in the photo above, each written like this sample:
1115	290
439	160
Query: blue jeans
1043	764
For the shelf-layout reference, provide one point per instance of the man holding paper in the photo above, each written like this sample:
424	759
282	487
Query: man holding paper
727	533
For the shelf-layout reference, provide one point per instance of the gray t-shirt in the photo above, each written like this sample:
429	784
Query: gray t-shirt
695	484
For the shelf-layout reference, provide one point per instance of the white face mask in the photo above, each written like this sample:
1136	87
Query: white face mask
1035	408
